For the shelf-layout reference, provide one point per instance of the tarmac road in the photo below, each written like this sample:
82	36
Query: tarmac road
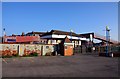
77	65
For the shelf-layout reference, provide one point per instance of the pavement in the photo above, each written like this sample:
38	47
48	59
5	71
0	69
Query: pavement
77	65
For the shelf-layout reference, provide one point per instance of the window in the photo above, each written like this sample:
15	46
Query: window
47	47
65	47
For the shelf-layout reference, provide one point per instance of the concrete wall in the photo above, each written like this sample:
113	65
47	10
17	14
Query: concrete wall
8	49
48	49
25	49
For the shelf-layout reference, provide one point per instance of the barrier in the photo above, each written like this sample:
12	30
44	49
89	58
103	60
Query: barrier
25	49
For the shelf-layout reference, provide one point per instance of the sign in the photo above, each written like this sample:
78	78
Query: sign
10	39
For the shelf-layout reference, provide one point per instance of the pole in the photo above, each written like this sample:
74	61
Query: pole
3	34
107	39
71	35
106	43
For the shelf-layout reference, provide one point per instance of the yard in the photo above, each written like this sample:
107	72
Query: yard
77	65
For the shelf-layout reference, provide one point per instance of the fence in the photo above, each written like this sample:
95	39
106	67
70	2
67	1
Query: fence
83	49
8	49
40	49
111	49
77	49
98	49
25	49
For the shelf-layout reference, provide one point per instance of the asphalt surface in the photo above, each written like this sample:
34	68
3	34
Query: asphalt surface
60	66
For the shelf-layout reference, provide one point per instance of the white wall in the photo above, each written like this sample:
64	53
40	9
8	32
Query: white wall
63	36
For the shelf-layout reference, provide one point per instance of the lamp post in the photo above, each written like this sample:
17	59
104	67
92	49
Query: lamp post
107	39
3	34
71	34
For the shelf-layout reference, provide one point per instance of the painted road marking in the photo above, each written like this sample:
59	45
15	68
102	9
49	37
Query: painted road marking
5	61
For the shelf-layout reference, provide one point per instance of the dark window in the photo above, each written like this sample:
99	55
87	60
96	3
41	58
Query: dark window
65	47
11	40
47	47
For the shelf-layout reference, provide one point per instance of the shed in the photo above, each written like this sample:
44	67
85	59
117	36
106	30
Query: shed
66	47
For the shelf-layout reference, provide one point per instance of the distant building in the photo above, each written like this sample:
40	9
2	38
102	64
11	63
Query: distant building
21	39
55	37
40	41
52	37
29	38
35	33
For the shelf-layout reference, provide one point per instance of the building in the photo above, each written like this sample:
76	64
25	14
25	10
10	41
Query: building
41	40
29	38
35	33
52	37
56	36
21	39
66	47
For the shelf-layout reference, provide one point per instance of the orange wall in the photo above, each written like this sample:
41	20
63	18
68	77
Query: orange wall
68	51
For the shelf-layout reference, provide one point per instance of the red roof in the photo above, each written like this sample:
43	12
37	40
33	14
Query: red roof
21	39
27	38
66	40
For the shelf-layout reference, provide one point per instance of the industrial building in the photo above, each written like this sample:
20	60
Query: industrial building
55	37
62	42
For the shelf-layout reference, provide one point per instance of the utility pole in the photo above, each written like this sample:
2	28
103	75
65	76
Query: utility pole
71	34
107	39
3	34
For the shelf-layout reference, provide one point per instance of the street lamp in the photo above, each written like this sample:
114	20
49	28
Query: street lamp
3	34
71	34
107	39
